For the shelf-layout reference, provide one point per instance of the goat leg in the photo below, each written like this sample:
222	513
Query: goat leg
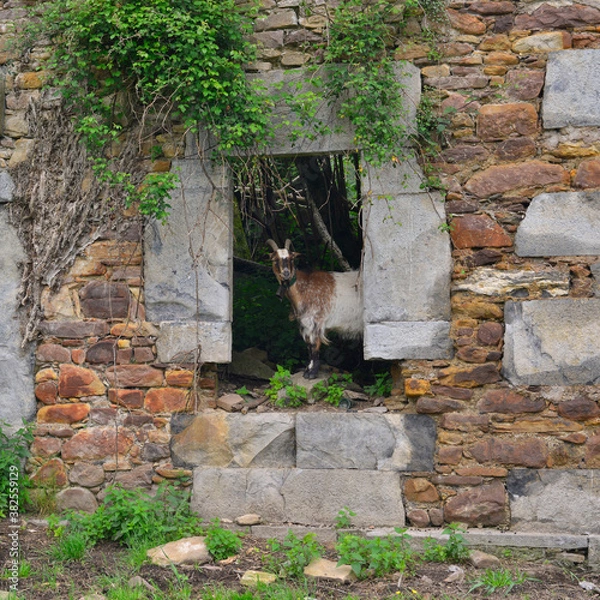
314	364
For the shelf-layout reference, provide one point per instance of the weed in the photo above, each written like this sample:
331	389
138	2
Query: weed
282	392
382	385
454	550
375	556
499	580
71	546
330	390
222	543
344	518
290	557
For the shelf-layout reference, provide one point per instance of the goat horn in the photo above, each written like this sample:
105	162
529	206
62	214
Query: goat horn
273	245
288	243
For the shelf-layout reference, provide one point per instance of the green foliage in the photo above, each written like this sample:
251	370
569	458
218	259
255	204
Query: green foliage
178	59
330	390
454	550
132	517
290	557
14	449
222	543
260	319
382	385
500	580
375	556
292	395
361	73
344	518
432	125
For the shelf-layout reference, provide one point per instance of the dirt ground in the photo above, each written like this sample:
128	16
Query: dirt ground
49	580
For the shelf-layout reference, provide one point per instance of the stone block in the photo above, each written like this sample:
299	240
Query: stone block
552	342
555	500
78	382
180	342
483	505
105	300
560	224
7	186
175	268
572	89
17	400
388	442
216	439
301	496
404	340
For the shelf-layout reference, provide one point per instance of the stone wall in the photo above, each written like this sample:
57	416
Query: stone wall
516	410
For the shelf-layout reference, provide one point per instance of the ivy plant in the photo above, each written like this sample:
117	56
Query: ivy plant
121	63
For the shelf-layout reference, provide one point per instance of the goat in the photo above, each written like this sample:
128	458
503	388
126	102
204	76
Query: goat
321	301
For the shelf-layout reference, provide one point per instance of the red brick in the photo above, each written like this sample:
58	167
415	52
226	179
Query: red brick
531	453
500	121
46	392
134	376
63	413
96	443
509	402
161	400
127	398
52	353
478	231
77	382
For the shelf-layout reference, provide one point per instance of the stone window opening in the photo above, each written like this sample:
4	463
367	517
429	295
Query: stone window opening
406	258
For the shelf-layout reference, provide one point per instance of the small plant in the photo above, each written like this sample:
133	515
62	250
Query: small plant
283	392
332	390
504	580
344	518
290	557
14	449
71	546
454	550
222	543
382	385
376	556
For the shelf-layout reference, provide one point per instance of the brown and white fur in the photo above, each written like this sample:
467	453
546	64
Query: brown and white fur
321	301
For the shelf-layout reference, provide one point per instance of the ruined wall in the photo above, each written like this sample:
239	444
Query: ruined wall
518	406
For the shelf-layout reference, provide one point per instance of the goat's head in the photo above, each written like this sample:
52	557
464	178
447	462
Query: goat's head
283	263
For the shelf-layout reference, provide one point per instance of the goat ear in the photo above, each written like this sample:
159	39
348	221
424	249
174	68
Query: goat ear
295	254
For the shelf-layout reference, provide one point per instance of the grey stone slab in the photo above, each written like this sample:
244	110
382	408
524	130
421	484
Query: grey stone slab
218	439
324	535
188	260
552	342
428	340
553	501
572	89
365	441
7	187
17	400
340	135
178	342
561	224
300	496
407	255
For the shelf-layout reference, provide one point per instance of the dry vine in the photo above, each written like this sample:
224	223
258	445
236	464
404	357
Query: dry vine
59	207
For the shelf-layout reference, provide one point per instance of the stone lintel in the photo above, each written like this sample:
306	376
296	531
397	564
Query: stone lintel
427	340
